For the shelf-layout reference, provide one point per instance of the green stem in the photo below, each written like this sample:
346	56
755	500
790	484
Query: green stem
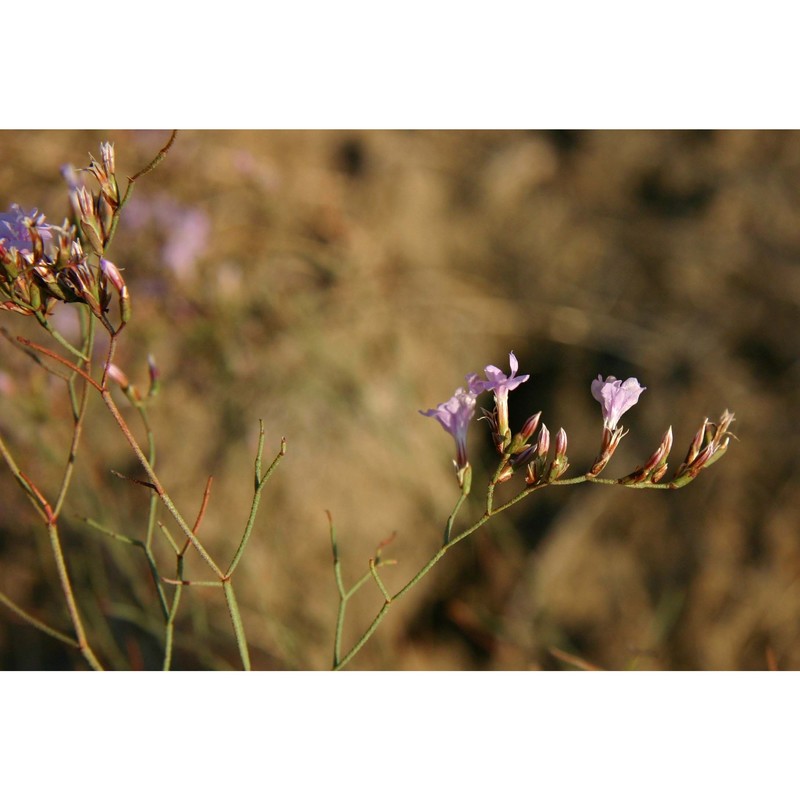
131	181
260	481
79	413
344	598
487	515
152	513
159	489
452	518
378	580
8	602
66	586
45	323
238	628
169	632
20	478
493	483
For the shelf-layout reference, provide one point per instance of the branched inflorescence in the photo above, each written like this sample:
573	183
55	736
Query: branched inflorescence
518	451
541	460
42	264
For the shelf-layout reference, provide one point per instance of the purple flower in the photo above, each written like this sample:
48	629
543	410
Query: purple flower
501	385
615	397
454	416
15	233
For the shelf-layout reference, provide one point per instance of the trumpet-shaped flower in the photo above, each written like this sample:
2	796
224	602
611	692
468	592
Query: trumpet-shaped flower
16	233
454	416
615	397
501	385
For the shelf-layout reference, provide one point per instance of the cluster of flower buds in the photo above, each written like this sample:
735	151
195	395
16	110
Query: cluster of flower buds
616	397
709	444
95	212
521	450
535	458
655	468
41	264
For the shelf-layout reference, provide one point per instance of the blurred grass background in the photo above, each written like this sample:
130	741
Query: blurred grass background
333	283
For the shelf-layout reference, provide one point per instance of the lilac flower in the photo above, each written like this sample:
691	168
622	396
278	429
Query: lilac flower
615	397
15	233
501	385
454	416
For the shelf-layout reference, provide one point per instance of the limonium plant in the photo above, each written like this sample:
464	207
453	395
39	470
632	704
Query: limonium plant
539	460
43	265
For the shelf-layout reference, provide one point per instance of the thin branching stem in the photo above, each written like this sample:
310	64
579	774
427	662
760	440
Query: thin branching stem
452	518
260	481
152	514
238	628
21	480
373	570
490	512
148	554
131	181
69	596
45	323
38	624
158	488
79	413
169	630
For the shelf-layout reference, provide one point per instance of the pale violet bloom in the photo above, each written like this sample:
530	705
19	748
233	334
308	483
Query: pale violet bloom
454	416
15	233
615	397
501	385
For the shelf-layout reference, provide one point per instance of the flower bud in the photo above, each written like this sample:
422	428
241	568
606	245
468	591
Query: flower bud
118	376
524	456
536	467
82	200
114	276
104	173
529	428
543	446
155	377
716	437
520	440
656	465
611	440
115	374
560	460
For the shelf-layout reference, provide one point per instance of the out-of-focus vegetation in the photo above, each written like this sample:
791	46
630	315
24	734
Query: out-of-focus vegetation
333	283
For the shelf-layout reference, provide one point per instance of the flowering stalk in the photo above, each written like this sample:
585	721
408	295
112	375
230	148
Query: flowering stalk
615	397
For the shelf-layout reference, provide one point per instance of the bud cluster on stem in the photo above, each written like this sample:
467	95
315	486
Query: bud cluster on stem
42	264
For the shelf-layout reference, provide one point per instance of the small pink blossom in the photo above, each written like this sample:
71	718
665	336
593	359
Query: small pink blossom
615	397
454	416
501	385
